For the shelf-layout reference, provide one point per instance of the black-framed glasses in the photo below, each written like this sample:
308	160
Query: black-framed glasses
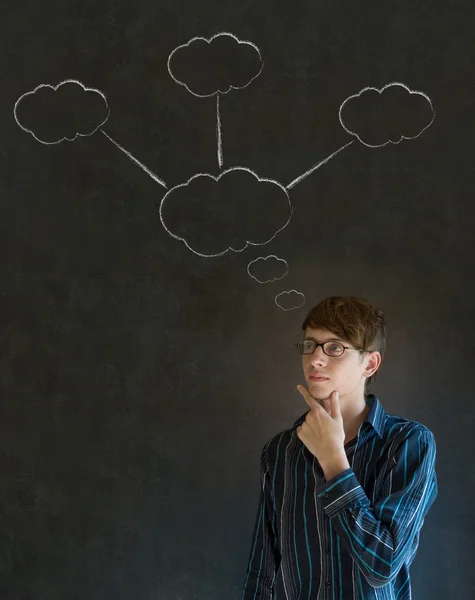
330	348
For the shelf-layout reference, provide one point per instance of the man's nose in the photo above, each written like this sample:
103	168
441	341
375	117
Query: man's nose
318	356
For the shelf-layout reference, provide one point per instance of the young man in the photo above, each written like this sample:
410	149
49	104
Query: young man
345	491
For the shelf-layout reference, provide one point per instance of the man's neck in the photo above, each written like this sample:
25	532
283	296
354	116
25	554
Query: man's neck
354	414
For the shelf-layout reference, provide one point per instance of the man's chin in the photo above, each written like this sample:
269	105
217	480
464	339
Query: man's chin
316	391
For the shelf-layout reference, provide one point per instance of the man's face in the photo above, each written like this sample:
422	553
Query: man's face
345	373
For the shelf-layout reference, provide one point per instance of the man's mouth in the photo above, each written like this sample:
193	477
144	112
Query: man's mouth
317	378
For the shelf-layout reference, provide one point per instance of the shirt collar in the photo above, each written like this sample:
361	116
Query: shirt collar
376	416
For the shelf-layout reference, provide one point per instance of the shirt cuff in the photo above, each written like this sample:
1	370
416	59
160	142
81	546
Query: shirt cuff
342	492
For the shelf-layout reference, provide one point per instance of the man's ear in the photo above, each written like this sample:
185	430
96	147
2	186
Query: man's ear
373	362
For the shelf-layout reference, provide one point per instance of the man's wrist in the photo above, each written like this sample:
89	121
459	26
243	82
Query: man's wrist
335	465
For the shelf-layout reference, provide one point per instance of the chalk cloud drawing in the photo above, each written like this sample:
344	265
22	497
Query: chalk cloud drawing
55	113
377	117
214	66
213	215
290	300
267	269
209	66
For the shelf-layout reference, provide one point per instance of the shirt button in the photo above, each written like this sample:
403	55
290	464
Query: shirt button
329	583
327	550
325	495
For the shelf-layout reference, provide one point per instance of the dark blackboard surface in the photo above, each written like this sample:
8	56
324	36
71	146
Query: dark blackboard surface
139	378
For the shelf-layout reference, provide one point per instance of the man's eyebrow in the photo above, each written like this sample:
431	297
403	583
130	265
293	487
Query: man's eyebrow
309	337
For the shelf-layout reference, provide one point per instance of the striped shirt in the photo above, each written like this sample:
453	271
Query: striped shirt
354	536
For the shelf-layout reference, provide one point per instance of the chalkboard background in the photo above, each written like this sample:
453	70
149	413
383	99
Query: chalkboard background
140	379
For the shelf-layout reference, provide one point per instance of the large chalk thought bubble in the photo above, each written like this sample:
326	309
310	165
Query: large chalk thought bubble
268	269
54	113
213	215
218	64
377	117
290	300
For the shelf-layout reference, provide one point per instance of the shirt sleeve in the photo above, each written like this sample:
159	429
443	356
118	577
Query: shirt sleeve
264	558
382	537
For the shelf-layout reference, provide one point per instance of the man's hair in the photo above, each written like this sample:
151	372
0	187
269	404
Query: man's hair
353	319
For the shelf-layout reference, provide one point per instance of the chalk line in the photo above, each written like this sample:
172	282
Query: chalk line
218	133
318	165
137	162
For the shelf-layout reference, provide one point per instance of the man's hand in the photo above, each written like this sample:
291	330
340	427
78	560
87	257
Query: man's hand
323	433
